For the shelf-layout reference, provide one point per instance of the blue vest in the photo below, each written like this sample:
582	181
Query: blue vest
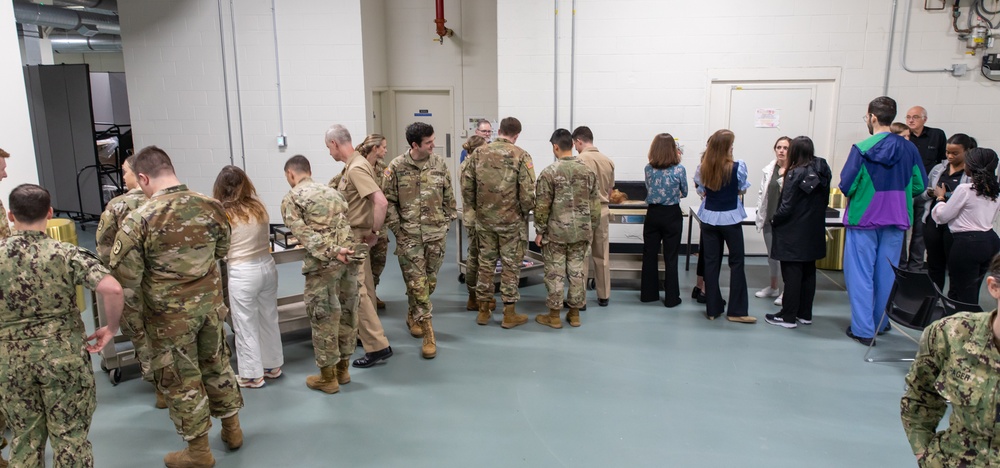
726	197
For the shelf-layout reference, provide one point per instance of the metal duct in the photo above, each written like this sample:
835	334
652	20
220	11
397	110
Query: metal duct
85	23
107	6
68	43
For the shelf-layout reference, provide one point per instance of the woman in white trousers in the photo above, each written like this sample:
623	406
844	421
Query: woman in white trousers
253	280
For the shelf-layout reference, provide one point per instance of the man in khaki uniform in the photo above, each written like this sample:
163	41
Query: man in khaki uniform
500	186
421	207
583	141
366	207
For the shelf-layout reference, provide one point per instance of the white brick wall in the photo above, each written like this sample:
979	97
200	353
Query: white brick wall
642	67
174	66
15	126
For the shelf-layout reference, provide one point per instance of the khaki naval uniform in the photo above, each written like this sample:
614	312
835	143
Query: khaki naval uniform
357	183
600	250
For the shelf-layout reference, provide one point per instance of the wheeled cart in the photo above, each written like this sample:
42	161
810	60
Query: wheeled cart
531	265
117	354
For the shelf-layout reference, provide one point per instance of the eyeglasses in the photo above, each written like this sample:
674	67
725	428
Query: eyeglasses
865	118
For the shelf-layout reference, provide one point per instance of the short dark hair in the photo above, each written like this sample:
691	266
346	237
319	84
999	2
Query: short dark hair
510	126
480	122
963	140
152	161
583	134
884	109
29	203
562	139
298	164
417	131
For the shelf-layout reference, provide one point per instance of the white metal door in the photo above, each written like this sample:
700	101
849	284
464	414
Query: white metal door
431	107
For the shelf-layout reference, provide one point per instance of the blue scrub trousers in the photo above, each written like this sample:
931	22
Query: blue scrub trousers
868	254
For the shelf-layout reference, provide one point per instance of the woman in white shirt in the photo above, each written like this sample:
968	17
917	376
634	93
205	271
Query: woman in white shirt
253	280
767	202
969	213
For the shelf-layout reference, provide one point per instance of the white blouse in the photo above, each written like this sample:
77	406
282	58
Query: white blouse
965	211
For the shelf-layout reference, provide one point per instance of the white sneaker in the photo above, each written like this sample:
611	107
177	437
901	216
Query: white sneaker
767	292
804	321
777	301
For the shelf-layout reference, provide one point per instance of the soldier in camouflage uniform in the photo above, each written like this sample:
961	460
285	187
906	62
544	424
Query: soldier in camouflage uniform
169	248
501	188
421	206
567	212
958	362
4	233
316	214
373	149
47	378
4	225
469	220
116	211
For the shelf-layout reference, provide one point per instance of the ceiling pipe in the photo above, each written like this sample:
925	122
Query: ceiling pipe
68	43
106	6
87	24
439	19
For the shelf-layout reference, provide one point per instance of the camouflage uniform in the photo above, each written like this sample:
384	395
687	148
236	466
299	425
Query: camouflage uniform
957	362
170	248
4	224
4	233
380	250
469	220
316	215
567	212
46	377
421	206
501	188
119	208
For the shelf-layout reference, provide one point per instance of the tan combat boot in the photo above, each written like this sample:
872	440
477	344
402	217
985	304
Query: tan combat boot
326	381
413	326
511	318
552	319
161	400
429	348
483	317
196	455
573	317
472	303
232	434
343	374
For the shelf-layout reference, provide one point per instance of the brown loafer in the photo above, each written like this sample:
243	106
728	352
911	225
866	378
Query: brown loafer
741	318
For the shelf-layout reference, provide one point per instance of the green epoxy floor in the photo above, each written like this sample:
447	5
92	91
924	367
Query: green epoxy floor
636	385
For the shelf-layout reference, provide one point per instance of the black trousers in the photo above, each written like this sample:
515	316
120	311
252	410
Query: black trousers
971	253
937	241
663	226
713	237
800	290
913	258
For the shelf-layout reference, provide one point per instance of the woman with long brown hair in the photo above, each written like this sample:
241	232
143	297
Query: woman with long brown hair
253	280
666	185
721	181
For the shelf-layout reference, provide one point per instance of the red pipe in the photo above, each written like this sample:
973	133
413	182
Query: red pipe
439	19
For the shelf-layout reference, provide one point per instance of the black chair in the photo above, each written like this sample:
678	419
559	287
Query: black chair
951	306
914	303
